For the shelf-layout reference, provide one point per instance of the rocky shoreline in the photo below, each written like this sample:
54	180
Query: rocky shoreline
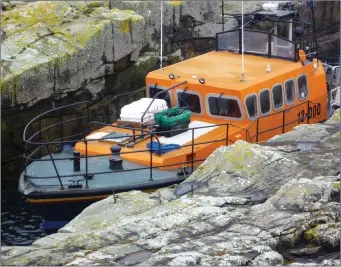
270	204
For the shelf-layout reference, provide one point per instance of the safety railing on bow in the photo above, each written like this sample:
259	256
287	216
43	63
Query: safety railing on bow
88	174
81	129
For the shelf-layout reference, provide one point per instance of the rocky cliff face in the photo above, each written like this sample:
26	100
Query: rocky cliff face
59	52
327	17
250	205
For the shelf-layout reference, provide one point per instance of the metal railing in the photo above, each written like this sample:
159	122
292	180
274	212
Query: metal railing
87	174
220	138
333	81
306	116
335	97
268	44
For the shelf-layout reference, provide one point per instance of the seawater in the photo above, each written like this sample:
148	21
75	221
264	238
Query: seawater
20	224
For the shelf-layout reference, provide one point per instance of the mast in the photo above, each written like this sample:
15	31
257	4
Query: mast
314	29
222	14
161	44
242	41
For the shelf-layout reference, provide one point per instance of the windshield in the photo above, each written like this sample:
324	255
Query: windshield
256	42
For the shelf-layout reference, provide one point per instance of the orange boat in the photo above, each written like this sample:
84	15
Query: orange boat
189	109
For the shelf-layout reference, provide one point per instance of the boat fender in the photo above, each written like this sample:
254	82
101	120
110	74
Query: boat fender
115	162
76	161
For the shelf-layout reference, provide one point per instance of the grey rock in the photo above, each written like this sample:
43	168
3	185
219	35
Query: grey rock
327	235
69	46
14	251
301	195
331	263
271	258
244	169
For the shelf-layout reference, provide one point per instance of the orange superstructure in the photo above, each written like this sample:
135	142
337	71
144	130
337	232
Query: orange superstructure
275	96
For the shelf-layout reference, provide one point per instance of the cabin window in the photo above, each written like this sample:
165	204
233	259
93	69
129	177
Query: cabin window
224	106
290	91
189	100
264	100
302	87
251	106
277	96
165	95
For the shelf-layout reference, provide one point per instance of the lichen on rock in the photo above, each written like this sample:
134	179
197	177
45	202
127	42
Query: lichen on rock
241	167
65	39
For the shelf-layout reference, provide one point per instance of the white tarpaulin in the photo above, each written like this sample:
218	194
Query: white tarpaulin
134	111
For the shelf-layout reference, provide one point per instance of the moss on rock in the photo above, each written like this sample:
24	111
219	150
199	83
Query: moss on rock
336	186
28	15
4	85
125	26
312	235
176	3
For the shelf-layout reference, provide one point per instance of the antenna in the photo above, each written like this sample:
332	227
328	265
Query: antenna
161	34
242	41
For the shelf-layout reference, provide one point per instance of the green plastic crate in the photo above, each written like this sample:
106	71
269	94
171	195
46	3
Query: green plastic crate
172	117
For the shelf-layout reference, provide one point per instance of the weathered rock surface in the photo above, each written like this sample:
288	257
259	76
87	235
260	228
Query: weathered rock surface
327	16
58	47
221	222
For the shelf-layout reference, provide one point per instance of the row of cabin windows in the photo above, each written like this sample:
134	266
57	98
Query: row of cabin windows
228	107
277	97
218	106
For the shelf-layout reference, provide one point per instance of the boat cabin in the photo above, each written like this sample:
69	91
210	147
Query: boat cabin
277	77
267	90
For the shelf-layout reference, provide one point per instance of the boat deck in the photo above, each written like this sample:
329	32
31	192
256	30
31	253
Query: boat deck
38	172
186	137
207	137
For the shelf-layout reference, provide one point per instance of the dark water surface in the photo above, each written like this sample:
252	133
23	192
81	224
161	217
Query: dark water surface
20	224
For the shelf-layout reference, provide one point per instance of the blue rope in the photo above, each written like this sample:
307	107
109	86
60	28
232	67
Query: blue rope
162	149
